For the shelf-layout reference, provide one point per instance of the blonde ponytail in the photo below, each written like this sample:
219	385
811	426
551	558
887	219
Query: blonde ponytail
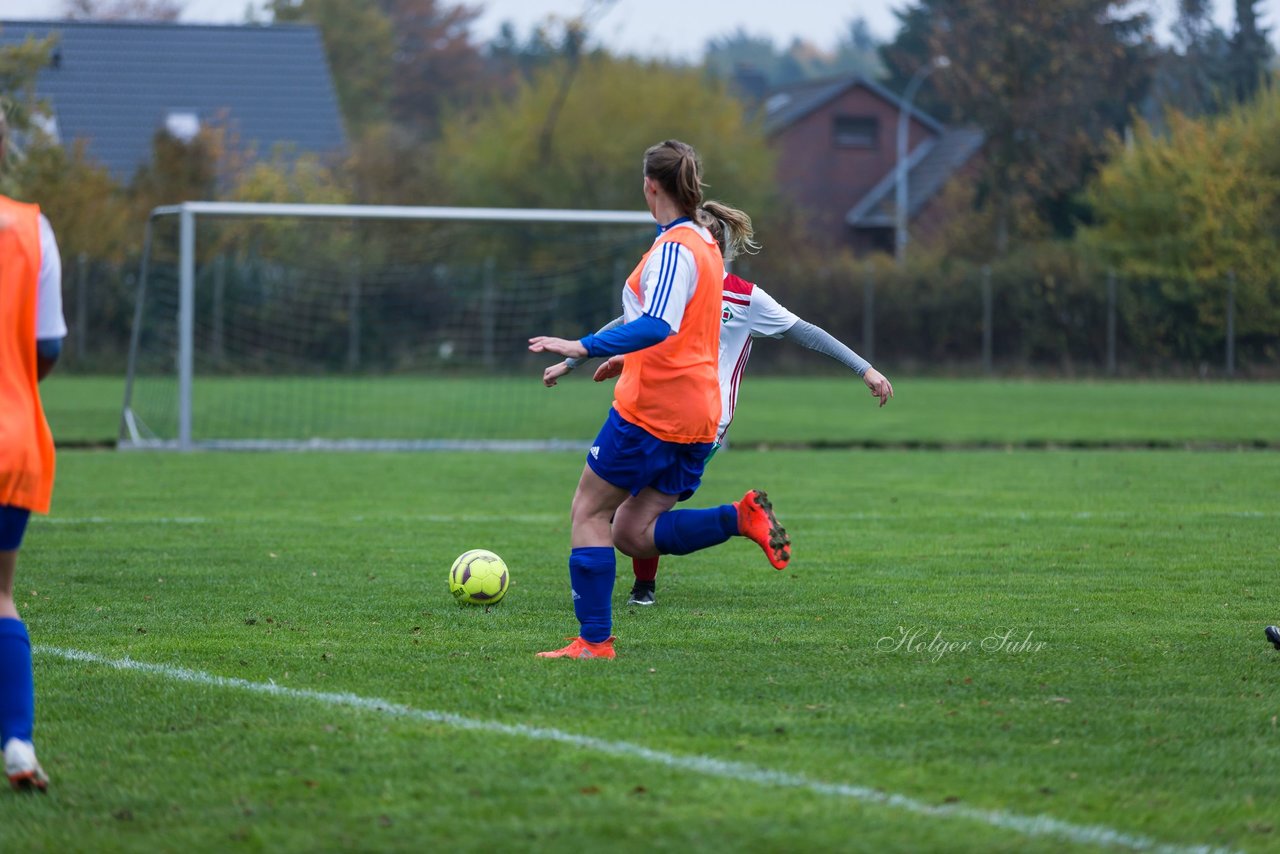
731	228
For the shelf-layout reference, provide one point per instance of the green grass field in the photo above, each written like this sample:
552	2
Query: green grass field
772	410
1132	702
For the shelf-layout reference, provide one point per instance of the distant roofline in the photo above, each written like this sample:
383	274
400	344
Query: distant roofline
281	94
860	215
62	23
849	81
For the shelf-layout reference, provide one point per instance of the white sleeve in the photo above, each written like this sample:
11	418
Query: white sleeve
668	282
768	318
49	320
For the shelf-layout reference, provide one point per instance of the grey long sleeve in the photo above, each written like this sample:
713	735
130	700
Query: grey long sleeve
819	340
612	324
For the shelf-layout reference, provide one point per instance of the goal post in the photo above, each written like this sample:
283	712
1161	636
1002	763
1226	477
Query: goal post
309	326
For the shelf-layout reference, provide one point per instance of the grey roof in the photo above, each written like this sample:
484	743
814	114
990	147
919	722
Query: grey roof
786	106
929	167
113	84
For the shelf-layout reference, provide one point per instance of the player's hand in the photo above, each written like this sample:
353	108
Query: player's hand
559	346
555	372
608	369
879	385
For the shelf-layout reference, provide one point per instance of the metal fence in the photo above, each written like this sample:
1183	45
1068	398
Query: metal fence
983	323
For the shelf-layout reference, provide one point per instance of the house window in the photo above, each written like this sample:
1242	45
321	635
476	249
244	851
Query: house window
856	131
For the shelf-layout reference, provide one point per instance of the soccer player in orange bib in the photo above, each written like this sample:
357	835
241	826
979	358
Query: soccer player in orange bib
31	333
662	427
748	313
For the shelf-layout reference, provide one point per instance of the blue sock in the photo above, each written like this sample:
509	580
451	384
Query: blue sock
17	685
591	572
680	532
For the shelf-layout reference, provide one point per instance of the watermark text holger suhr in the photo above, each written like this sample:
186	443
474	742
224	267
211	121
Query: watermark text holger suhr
919	640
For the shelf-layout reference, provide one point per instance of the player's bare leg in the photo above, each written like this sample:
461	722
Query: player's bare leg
595	502
633	523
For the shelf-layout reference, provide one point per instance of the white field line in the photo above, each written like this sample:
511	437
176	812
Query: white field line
102	520
1012	515
1036	825
553	518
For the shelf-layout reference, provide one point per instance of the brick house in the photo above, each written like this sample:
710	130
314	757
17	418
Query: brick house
836	142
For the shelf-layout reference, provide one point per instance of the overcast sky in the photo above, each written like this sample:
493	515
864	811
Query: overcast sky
633	26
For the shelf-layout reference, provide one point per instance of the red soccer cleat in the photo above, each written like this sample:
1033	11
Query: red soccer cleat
583	649
756	521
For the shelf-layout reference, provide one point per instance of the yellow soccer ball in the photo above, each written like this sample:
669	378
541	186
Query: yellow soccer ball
478	577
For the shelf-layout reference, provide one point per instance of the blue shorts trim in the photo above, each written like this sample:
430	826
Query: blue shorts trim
13	523
632	458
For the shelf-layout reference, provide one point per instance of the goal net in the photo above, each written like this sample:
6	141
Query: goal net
358	327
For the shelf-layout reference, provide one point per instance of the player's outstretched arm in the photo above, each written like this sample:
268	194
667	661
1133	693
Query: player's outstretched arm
555	372
559	346
819	340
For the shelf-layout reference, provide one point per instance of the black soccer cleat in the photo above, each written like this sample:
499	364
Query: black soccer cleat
1273	635
641	594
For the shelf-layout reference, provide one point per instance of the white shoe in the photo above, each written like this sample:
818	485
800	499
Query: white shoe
21	766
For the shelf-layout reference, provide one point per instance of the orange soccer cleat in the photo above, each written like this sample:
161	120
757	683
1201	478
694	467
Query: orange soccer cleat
21	767
583	649
756	521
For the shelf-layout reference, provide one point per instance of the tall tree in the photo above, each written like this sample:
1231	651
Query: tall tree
1250	52
86	206
359	40
1195	206
179	170
613	112
436	61
512	59
857	51
79	196
1194	23
740	51
404	61
1046	82
737	53
1191	76
910	51
19	66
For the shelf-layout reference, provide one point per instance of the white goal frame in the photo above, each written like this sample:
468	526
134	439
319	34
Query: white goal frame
188	213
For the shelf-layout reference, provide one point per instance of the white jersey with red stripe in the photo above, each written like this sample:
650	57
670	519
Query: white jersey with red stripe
747	312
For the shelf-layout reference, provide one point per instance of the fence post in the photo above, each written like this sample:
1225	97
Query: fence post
1231	323
488	318
217	349
82	303
869	314
353	318
1111	322
988	319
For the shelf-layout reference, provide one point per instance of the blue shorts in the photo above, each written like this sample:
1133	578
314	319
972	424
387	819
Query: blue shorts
13	523
632	458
